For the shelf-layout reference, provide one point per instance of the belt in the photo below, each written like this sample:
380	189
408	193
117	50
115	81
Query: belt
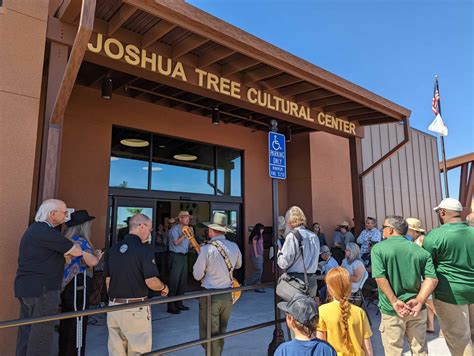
127	300
179	253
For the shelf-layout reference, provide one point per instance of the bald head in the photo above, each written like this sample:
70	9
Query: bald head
140	225
470	219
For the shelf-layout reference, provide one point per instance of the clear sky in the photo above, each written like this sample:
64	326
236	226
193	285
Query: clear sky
393	48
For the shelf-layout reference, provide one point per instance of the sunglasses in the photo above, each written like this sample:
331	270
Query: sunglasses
387	226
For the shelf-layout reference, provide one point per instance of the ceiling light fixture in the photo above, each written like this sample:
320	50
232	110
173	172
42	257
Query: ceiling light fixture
107	87
185	157
134	142
216	115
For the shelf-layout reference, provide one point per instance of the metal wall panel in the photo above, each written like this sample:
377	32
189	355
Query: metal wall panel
408	183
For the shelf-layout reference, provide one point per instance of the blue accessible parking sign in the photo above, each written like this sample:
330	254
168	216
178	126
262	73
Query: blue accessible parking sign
276	155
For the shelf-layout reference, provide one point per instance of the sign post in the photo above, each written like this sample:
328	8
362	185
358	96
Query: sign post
276	170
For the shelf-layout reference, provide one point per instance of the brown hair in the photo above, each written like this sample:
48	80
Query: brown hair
309	328
340	288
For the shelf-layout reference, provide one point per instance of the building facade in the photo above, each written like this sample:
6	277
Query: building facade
132	106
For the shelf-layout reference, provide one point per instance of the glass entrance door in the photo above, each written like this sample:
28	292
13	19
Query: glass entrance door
234	222
122	210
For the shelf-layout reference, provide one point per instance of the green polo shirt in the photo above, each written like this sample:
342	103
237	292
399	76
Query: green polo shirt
452	249
404	264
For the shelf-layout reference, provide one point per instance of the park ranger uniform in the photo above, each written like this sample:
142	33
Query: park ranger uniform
211	269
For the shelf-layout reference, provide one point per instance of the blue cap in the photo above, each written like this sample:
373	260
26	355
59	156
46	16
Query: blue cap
301	307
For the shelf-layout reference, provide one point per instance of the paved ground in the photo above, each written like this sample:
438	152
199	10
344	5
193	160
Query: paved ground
252	308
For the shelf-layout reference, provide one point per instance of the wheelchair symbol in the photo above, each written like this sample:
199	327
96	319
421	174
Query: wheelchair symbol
276	144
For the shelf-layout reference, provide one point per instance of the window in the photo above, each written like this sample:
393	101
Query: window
145	161
182	166
129	159
228	172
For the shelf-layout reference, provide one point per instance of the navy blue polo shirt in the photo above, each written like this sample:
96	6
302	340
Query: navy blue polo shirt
40	260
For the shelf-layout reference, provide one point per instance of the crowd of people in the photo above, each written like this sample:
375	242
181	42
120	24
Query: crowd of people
407	269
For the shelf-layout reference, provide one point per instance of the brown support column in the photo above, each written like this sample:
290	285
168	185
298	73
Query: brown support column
463	184
355	150
52	133
470	187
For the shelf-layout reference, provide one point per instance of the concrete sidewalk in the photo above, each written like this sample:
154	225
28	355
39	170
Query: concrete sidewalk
252	308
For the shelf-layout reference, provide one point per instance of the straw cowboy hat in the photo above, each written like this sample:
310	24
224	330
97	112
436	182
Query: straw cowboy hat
218	223
414	224
344	224
182	214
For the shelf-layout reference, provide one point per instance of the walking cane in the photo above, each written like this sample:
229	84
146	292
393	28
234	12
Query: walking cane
79	320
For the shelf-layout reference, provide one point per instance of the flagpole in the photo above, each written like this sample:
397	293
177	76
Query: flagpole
443	153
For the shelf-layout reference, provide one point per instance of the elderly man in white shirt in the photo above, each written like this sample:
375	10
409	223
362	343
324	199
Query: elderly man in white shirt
370	235
212	271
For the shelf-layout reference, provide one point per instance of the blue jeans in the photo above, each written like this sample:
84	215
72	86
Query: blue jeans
37	339
256	276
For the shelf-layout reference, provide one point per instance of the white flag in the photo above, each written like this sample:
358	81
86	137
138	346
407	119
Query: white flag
438	126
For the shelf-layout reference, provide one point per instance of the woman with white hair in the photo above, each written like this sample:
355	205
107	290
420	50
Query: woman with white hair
77	275
290	258
354	265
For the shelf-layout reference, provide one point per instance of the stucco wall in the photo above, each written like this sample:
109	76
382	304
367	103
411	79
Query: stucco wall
22	42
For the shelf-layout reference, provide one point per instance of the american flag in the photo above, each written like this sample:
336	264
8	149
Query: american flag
435	102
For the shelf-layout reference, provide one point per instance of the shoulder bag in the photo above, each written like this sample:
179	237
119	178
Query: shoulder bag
235	283
289	285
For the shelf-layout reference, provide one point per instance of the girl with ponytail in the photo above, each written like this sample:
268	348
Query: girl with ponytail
342	324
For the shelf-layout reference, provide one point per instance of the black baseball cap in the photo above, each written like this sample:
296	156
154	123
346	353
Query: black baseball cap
301	307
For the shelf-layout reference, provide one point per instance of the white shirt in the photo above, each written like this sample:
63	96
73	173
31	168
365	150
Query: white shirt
210	267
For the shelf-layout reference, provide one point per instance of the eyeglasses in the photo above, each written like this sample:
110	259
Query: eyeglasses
387	226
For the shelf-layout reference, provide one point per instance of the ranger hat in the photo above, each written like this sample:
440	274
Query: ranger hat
218	223
414	224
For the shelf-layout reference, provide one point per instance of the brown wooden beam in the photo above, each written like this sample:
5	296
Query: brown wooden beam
319	104
470	187
351	112
157	32
125	12
313	95
187	45
297	88
339	107
463	184
238	66
52	133
78	50
280	81
258	74
214	56
200	22
69	10
358	206
374	115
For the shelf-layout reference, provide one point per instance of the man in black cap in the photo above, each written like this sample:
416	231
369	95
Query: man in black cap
302	319
130	270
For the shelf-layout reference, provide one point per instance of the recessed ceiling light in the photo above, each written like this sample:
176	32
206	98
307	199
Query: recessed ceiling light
162	146
185	157
134	142
112	158
153	169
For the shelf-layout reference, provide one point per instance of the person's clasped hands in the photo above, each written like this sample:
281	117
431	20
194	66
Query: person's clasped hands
411	307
